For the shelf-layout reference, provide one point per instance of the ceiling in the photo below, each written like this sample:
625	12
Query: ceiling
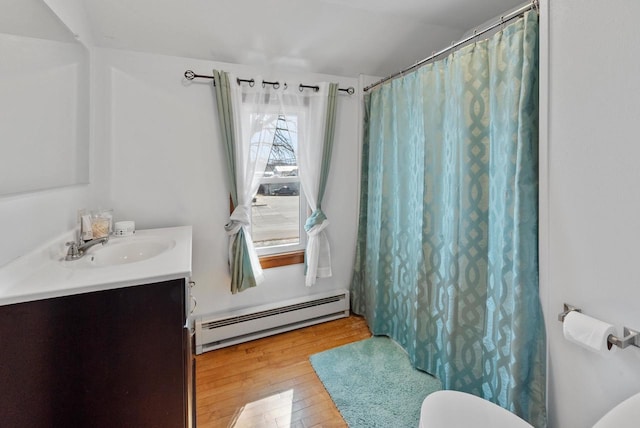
30	18
339	37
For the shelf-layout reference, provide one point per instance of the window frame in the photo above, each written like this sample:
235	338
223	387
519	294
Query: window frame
302	215
282	259
287	254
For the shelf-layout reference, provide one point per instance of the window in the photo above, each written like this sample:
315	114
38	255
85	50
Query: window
278	210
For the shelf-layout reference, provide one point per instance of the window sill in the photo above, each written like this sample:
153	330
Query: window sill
283	259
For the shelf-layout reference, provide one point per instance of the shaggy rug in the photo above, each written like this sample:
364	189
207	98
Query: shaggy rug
373	383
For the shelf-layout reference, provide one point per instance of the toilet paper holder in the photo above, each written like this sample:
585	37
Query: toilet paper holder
631	337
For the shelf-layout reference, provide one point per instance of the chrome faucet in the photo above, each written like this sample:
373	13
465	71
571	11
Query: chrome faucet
77	250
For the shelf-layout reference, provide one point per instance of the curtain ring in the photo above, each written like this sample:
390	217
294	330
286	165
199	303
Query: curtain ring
300	88
275	85
251	82
285	86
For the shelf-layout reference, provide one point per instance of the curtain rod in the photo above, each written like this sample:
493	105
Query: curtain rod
190	75
503	19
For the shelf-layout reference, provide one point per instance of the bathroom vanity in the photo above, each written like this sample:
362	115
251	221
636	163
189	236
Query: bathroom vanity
111	347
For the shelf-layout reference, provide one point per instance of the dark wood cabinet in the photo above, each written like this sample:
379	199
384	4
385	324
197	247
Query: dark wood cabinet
114	358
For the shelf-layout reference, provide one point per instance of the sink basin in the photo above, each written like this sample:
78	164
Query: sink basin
148	256
119	251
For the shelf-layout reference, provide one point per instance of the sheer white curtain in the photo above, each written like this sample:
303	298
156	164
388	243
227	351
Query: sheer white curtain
249	118
314	157
255	113
315	110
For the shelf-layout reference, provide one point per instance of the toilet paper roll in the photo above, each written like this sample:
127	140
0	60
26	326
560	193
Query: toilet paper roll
589	333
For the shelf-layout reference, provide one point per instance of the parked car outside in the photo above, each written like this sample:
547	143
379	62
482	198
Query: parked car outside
284	191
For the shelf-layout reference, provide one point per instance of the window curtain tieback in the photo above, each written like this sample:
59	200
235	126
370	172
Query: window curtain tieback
316	222
317	248
239	217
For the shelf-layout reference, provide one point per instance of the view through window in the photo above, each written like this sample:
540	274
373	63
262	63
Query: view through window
278	207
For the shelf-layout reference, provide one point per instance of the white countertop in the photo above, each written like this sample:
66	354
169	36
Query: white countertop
44	273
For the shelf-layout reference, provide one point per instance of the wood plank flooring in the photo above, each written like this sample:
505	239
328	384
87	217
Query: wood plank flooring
270	382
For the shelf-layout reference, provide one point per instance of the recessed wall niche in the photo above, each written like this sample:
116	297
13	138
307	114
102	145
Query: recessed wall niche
44	101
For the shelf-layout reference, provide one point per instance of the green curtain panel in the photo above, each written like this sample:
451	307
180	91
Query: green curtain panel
315	162
447	253
327	147
243	275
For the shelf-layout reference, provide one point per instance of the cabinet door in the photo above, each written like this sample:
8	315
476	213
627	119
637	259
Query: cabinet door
106	359
38	365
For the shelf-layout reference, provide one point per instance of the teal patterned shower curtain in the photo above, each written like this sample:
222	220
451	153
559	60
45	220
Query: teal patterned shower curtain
447	255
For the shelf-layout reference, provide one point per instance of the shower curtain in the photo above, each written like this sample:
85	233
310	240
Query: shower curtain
446	260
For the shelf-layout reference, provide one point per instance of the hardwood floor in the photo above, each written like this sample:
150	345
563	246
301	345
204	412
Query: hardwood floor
270	382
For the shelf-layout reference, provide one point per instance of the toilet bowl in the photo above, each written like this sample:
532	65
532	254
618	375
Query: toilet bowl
453	409
624	415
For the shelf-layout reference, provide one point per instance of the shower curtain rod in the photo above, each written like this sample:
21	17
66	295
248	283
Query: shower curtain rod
503	19
190	75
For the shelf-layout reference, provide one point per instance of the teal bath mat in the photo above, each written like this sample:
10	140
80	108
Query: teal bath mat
373	384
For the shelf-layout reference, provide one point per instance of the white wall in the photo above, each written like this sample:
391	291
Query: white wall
589	248
160	135
32	218
44	118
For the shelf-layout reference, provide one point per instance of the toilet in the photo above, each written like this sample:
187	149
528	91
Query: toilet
624	415
453	409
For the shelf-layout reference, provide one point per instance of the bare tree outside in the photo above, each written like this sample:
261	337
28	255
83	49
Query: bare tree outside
283	151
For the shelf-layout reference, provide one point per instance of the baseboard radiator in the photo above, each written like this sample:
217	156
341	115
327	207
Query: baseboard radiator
216	331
